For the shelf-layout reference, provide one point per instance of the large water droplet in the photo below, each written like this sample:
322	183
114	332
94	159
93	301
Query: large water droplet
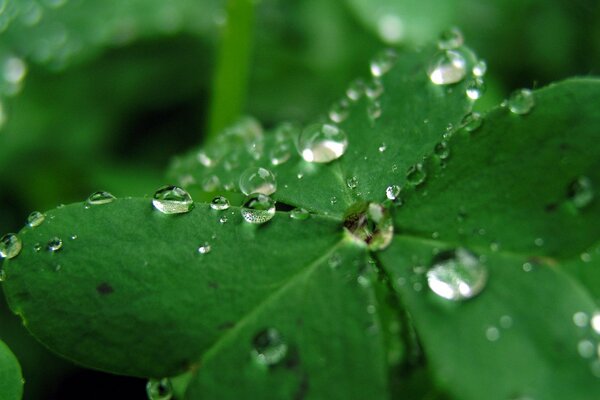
258	180
447	67
55	244
299	214
258	208
383	62
373	225
36	218
581	192
457	275
416	175
10	246
450	39
98	198
219	203
339	111
159	389
172	200
322	143
521	101
269	347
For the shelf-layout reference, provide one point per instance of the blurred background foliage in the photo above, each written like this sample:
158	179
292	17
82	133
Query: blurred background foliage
99	95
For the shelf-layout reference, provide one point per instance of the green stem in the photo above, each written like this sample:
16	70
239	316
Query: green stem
231	75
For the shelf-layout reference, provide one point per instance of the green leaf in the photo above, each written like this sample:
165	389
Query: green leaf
515	340
512	181
415	114
11	381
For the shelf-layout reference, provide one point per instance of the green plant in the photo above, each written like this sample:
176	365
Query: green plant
412	248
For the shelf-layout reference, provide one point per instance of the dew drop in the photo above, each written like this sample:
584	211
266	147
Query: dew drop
204	248
269	347
10	246
352	183
416	175
373	226
258	180
382	147
442	150
333	200
492	334
258	208
480	68
37	247
521	101
322	143
54	244
159	389
374	110
280	153
299	214
36	218
374	90
392	192
457	275
586	348
580	319
172	200
506	321
450	39
339	111
223	219
219	203
356	89
205	159
99	198
581	192
475	89
447	67
383	62
472	121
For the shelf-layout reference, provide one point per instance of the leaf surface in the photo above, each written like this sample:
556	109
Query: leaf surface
11	381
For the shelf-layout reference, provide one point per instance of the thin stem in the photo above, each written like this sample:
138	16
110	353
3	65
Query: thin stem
231	75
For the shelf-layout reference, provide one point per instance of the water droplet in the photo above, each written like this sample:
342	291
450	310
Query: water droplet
442	150
333	200
55	244
581	319
450	39
492	334
581	192
480	68
10	246
99	198
373	226
211	183
280	153
258	208
339	111
204	248
595	323
382	147
159	389
223	219
475	89
322	143
37	247
539	242
2	275
258	180
269	347
506	321
219	203
472	121
299	214
15	70
527	267
521	101
392	192
390	28
586	348
172	200
374	90
447	67
36	218
383	62
205	159
457	275
356	89
374	110
352	183
416	175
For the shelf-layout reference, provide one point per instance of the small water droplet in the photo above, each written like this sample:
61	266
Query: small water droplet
595	323
352	182
211	183
258	180
480	68
521	101
442	150
322	143
99	198
73	237
374	90
36	218
223	219
416	175
581	319
159	389
581	192
10	246
475	89
447	67
299	214
472	121
450	39
586	348
55	244
339	111
382	147
383	62
356	89
374	110
539	242
333	200
506	321
172	200
492	333
392	192
527	267
37	247
280	153
269	347
205	159
457	275
373	226
258	208
219	203
204	248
